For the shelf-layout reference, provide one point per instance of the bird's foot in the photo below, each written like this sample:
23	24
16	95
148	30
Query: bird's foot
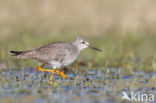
40	68
62	74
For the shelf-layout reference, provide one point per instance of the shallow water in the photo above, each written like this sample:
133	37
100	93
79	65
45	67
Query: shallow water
94	86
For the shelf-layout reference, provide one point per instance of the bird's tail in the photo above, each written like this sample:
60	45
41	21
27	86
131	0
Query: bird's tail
23	54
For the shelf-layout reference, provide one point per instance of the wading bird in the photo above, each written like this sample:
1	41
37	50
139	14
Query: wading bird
57	54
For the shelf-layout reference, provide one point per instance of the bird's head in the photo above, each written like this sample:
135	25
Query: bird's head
82	43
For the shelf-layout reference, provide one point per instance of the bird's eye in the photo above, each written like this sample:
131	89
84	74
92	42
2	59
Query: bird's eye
83	42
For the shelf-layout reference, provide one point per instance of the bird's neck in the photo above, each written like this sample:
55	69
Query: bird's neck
76	44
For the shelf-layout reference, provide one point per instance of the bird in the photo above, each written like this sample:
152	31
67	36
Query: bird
56	54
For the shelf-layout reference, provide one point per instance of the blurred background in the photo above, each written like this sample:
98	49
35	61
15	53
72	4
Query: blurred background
124	29
89	17
118	27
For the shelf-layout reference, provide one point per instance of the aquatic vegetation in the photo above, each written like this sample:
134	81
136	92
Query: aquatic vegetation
94	85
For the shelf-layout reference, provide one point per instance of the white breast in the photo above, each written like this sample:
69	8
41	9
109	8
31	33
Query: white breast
55	64
70	60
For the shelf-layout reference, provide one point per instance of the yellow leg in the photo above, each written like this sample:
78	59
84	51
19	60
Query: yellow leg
37	69
62	74
51	77
40	68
